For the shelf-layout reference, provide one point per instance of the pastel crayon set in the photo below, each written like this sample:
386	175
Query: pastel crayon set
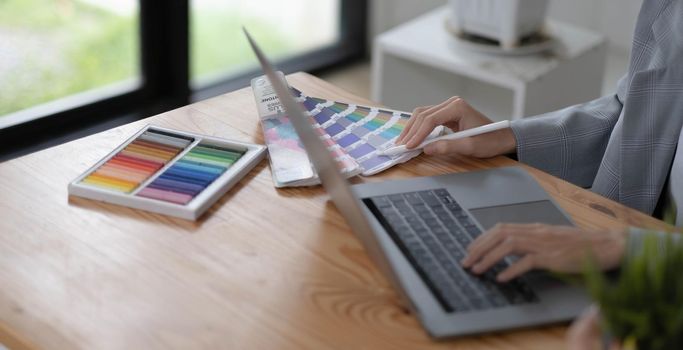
169	172
353	134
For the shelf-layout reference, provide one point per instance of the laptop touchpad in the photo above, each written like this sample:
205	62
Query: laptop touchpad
530	212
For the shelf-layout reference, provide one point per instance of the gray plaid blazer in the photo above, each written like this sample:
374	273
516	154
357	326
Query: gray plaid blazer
622	145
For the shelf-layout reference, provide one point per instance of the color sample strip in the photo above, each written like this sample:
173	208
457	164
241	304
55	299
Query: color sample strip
361	151
338	107
360	131
310	104
357	115
378	121
344	122
324	115
191	174
359	137
334	129
348	140
376	141
136	162
375	161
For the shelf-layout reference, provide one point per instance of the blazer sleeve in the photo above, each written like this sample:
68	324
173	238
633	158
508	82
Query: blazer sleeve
569	143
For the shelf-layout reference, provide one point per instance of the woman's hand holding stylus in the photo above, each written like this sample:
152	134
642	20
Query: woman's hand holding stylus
457	115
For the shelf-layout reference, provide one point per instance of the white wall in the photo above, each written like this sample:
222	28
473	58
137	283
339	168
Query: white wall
385	14
614	18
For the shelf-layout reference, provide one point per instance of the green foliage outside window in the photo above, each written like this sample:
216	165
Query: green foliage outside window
55	48
58	48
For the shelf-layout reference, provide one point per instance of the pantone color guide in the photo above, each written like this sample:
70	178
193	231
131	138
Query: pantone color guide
168	172
353	134
360	131
289	162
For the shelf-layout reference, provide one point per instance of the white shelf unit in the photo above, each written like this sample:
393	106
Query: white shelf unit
420	63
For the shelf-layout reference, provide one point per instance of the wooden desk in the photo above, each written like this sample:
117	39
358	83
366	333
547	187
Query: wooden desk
264	269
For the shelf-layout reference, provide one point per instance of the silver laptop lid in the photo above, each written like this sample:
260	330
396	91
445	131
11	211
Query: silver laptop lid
330	176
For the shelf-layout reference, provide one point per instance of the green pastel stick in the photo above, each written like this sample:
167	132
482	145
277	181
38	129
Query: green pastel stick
216	156
209	156
217	152
205	160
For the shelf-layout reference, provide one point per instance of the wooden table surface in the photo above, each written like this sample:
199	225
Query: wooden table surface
263	269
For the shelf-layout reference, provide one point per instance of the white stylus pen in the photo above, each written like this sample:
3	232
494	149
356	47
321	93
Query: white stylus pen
392	151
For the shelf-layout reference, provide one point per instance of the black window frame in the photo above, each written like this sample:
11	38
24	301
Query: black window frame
164	32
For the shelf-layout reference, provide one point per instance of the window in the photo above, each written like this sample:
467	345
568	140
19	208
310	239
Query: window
69	68
54	49
282	28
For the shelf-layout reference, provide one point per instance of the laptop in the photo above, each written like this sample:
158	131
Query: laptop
416	230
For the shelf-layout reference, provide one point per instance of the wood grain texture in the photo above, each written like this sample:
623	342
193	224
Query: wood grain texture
263	269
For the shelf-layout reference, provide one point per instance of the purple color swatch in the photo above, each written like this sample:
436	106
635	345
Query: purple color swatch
334	129
310	104
374	162
348	140
361	151
323	116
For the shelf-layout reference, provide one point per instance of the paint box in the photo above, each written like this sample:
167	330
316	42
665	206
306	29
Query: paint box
169	172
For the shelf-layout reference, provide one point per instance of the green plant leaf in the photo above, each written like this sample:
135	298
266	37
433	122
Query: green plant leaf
645	301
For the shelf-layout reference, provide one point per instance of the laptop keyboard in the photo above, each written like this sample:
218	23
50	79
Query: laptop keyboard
433	231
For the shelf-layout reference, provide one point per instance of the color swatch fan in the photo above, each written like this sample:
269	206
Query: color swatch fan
353	134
